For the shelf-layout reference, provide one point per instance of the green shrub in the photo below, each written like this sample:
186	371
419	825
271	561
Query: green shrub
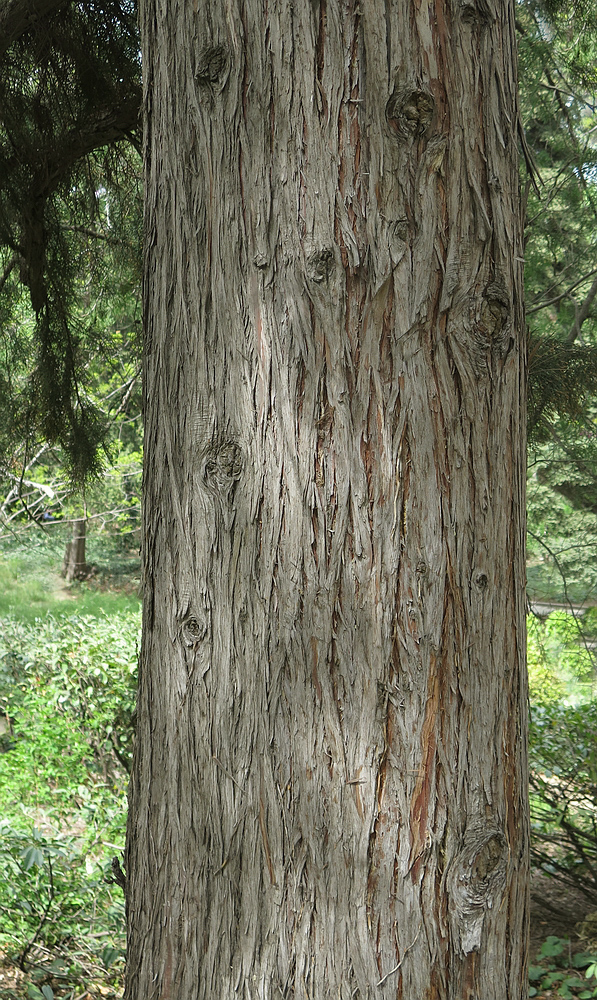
68	686
52	893
561	667
61	920
562	973
563	781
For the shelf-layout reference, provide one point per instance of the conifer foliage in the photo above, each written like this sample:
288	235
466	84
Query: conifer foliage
557	48
70	99
70	95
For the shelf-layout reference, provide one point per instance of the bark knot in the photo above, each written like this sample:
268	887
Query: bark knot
399	229
193	629
478	13
409	113
476	882
398	233
211	64
223	466
321	264
492	326
495	310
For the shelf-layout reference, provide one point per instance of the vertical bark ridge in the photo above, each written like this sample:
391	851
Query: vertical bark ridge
328	797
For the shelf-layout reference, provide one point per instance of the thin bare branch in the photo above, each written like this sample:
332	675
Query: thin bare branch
7	272
562	295
582	314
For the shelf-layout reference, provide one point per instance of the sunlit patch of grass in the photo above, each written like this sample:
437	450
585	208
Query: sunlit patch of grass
91	601
31	585
26	595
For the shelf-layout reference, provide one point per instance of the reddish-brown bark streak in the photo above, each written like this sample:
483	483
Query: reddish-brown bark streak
335	489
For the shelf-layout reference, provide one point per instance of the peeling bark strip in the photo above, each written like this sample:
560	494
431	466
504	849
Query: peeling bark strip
329	796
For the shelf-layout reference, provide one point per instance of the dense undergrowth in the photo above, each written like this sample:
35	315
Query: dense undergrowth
563	790
563	748
67	691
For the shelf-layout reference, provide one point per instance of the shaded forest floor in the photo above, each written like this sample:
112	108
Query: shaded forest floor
556	910
557	916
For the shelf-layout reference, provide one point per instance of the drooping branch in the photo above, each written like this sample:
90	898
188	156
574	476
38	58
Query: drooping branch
560	377
109	124
19	16
70	100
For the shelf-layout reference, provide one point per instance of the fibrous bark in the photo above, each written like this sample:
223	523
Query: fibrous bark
329	789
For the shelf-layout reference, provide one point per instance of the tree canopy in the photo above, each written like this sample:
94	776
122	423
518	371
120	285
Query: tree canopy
70	95
70	224
69	207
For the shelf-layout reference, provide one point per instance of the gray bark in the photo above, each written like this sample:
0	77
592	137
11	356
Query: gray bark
329	788
74	566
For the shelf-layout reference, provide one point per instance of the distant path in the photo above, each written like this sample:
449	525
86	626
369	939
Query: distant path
545	607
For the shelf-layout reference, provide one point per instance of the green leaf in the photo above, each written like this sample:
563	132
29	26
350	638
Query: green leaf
535	972
552	977
571	981
32	856
58	967
551	946
109	956
582	959
48	992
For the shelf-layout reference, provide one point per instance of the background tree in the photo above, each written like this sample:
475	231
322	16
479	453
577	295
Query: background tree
558	88
329	789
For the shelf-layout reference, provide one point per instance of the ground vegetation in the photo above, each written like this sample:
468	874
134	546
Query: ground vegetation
69	227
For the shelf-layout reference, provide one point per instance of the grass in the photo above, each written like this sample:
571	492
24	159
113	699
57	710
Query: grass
31	585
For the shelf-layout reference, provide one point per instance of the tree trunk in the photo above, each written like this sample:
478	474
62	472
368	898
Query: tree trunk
74	566
329	793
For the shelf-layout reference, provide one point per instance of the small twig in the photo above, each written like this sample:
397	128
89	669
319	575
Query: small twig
567	597
126	397
562	295
8	271
582	314
83	231
23	956
396	967
226	772
118	877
